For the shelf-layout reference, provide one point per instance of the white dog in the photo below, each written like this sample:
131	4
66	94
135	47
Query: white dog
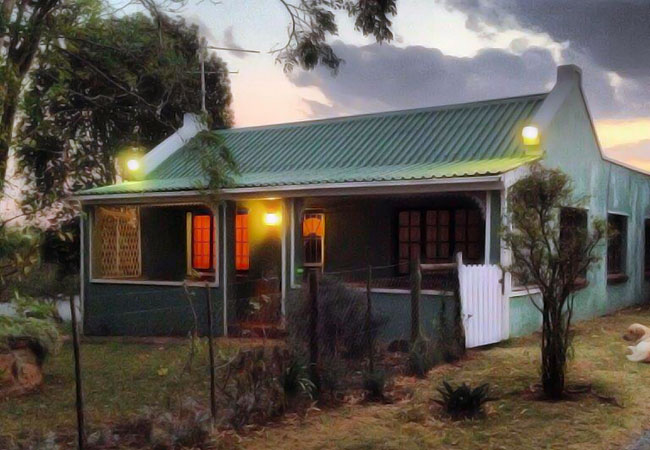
640	335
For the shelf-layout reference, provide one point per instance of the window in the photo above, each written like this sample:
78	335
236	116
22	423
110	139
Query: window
438	238
242	256
116	240
468	235
441	235
202	242
617	241
313	235
647	248
573	234
409	238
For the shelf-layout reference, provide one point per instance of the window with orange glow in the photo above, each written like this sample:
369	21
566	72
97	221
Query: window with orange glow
202	257
242	255
313	234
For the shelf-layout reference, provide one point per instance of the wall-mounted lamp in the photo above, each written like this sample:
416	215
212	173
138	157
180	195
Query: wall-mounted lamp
530	135
272	218
133	165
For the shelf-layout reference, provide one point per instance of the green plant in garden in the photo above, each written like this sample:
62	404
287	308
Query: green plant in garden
295	380
374	384
423	355
463	402
553	261
32	322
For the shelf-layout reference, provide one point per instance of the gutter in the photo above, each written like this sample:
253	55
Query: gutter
333	189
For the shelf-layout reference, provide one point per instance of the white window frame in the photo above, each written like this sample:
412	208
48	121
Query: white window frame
314	212
194	283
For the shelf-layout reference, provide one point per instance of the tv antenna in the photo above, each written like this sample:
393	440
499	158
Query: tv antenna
202	53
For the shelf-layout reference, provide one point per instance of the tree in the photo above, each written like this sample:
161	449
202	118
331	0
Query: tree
22	24
30	27
551	258
114	86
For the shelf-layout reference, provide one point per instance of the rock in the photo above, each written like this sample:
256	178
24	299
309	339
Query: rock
20	371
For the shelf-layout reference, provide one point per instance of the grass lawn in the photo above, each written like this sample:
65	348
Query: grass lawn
514	421
122	378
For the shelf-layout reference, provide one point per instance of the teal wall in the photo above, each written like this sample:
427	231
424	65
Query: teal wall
396	308
147	309
570	145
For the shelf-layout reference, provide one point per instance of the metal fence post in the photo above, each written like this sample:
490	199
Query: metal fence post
213	397
416	289
313	329
369	337
81	434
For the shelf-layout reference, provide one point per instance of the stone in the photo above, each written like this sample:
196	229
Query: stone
20	371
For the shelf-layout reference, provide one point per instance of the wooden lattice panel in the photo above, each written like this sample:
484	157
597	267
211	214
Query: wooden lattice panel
118	230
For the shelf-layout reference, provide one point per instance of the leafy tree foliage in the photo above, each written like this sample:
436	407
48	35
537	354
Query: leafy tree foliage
314	21
553	264
117	84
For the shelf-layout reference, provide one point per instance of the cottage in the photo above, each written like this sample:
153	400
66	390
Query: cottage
336	194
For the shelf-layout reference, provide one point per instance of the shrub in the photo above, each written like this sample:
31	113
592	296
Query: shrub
295	380
422	357
250	389
341	320
374	383
463	402
32	323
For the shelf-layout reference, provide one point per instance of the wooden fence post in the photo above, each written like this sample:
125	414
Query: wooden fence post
81	433
416	289
213	397
369	338
313	329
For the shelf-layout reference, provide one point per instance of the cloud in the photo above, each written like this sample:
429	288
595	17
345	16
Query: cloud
610	36
385	77
614	33
636	153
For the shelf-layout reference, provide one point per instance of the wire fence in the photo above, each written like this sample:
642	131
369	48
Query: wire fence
331	346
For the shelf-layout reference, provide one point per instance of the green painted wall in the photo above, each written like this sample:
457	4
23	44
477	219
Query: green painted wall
570	145
146	309
396	308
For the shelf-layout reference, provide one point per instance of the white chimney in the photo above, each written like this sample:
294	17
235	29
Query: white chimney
192	124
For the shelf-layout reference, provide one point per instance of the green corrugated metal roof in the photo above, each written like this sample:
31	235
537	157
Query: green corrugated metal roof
452	141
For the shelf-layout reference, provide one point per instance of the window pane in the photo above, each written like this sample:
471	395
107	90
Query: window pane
116	236
313	232
617	241
202	242
242	261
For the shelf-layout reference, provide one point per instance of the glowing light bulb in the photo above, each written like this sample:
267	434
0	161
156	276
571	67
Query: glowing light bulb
133	165
530	135
272	218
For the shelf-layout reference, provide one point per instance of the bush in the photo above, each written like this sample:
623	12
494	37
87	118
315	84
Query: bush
374	383
33	322
295	381
341	320
463	402
423	355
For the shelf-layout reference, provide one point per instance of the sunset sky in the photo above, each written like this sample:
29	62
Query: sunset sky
448	51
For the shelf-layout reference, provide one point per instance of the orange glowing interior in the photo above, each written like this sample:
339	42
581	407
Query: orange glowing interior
313	225
202	242
242	255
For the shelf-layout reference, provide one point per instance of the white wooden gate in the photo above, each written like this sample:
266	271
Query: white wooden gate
485	307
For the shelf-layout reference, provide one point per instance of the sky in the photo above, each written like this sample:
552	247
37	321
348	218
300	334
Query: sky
447	51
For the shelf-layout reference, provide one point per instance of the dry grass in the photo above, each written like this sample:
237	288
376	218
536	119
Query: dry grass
514	421
123	377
